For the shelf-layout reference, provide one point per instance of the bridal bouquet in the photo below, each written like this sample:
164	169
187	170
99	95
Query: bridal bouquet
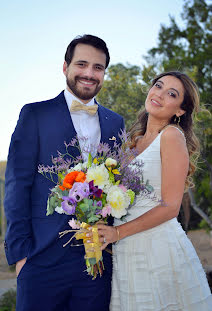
91	191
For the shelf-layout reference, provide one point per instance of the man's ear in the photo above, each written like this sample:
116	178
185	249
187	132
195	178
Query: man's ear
65	68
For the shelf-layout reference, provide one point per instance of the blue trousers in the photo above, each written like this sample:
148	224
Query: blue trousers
65	286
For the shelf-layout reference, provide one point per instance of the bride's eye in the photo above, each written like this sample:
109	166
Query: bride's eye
172	94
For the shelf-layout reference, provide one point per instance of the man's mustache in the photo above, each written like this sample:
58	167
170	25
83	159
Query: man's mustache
88	79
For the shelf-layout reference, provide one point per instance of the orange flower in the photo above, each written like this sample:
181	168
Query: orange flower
70	178
81	177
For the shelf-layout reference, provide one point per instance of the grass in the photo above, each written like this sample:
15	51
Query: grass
8	301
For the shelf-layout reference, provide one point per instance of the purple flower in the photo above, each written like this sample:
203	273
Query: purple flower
99	203
69	205
103	148
94	190
79	191
72	143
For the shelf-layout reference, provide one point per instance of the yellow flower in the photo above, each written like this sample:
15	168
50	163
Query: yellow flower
119	201
99	174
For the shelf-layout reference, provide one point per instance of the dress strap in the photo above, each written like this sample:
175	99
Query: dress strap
170	125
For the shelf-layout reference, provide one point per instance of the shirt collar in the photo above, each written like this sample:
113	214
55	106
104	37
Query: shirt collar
70	97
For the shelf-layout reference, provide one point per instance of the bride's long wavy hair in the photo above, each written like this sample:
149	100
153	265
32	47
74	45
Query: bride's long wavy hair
190	105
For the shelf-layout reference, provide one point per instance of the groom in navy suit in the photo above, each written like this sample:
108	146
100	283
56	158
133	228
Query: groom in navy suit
51	277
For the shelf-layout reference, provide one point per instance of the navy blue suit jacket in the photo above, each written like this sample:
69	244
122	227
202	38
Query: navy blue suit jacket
41	130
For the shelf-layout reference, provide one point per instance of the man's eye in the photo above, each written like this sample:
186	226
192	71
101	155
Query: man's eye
81	65
99	68
158	85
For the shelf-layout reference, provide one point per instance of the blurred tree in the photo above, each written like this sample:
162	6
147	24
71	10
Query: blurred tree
187	49
122	91
190	50
2	169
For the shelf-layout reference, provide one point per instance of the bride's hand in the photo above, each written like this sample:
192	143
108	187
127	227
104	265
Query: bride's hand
107	235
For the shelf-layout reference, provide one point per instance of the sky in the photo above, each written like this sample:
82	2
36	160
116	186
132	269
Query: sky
34	36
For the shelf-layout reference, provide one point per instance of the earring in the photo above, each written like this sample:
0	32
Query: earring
177	120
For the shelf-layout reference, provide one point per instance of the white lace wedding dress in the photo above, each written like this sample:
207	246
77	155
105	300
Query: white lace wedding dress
158	269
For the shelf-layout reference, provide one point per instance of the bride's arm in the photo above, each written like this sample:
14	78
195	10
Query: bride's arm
175	163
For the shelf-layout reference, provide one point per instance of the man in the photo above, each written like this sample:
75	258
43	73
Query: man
50	276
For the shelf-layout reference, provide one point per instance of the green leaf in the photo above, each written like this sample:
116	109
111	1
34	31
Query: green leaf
50	206
60	177
92	261
149	187
131	195
89	160
111	177
93	219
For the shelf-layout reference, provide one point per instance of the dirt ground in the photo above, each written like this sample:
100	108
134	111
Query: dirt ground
201	240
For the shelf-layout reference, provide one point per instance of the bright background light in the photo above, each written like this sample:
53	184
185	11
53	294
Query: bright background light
35	34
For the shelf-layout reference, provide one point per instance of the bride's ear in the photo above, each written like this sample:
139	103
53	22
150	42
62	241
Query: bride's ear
180	112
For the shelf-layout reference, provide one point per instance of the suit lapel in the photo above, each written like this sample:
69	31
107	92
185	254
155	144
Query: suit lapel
108	126
104	123
66	125
64	115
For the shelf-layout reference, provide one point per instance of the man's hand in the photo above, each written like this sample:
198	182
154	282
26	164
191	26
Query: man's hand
19	265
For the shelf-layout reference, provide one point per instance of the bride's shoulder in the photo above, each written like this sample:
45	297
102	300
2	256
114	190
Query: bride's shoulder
173	136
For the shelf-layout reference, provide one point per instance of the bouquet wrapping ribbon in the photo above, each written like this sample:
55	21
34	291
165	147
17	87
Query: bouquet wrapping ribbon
92	250
93	253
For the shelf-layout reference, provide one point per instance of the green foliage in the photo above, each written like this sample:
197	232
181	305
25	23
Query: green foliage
2	169
204	225
86	211
122	91
8	301
189	49
132	195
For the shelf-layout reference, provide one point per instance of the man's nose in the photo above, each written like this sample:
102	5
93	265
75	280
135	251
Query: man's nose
89	72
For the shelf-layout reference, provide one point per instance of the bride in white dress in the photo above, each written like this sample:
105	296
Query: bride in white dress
155	267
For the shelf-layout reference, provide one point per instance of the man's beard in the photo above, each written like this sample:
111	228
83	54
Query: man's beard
85	94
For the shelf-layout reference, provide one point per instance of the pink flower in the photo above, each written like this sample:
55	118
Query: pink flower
123	187
106	210
74	224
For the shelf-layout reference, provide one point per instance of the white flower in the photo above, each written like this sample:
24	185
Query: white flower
110	162
79	167
119	201
59	210
99	174
74	224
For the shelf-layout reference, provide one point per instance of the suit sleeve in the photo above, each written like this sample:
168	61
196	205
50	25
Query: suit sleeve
20	172
122	124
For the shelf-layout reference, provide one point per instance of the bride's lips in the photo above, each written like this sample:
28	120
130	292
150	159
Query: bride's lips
155	103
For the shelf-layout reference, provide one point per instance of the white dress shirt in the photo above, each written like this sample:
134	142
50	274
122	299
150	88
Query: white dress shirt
87	126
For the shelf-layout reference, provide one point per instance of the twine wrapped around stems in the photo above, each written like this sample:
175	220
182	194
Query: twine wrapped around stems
93	252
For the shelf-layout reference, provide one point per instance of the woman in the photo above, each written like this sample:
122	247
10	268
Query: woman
155	266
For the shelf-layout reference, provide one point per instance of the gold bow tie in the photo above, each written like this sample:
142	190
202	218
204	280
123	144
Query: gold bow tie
76	106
